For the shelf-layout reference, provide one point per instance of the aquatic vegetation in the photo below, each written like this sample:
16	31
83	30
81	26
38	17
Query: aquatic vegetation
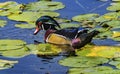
93	70
31	25
83	62
8	44
13	48
116	62
16	53
22	12
106	23
114	7
44	49
89	60
19	48
116	33
108	16
99	51
113	23
65	25
116	0
6	64
44	5
85	17
2	23
10	7
102	50
27	17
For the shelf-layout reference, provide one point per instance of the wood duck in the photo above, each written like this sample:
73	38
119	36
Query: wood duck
76	37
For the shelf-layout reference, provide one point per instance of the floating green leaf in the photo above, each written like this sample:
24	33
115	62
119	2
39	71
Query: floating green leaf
4	13
116	33
82	61
116	39
102	50
27	17
44	5
116	0
8	44
10	7
65	25
44	49
114	7
62	20
103	35
18	53
116	62
6	64
99	51
2	23
113	23
108	17
85	17
94	70
84	50
7	4
25	25
104	32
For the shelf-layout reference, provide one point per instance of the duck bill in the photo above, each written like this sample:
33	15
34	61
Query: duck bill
36	30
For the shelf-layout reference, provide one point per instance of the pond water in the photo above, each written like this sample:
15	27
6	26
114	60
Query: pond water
33	64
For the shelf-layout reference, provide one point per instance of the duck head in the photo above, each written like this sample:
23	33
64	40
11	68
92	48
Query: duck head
45	23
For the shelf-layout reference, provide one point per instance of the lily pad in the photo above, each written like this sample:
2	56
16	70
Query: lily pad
44	49
116	33
102	50
2	23
116	0
104	33
28	17
94	70
84	17
84	50
8	44
18	53
113	23
65	25
45	5
115	62
25	25
4	13
10	7
99	51
115	7
82	61
62	20
108	16
7	4
116	39
6	64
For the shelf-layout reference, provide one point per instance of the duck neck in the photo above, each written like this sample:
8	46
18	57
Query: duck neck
48	32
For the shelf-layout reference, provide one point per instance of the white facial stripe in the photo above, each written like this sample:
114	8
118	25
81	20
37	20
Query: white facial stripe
35	31
80	31
50	27
43	27
76	35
